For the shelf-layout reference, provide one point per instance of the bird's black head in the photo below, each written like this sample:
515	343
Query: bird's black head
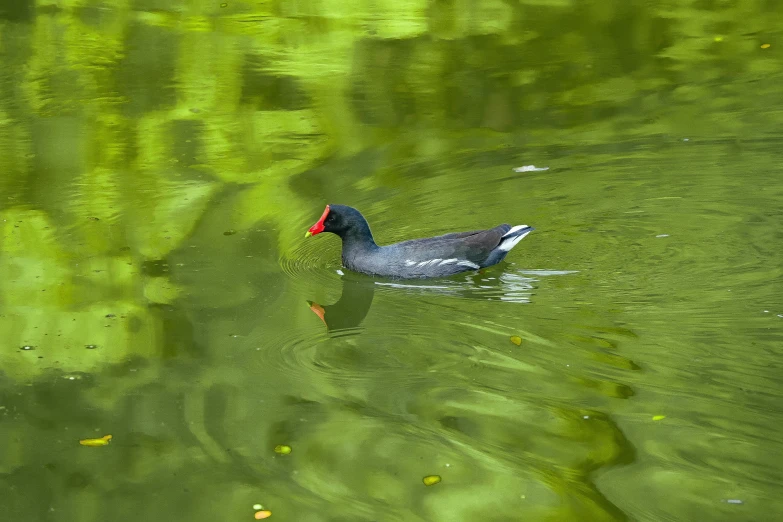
341	220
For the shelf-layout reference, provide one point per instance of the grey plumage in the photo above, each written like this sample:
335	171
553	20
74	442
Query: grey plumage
438	256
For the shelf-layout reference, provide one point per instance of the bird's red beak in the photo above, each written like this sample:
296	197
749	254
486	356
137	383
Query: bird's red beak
319	226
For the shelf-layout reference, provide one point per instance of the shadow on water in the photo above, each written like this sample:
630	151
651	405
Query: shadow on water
493	284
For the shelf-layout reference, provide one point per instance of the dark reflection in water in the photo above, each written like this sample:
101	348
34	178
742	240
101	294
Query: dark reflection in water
352	307
495	284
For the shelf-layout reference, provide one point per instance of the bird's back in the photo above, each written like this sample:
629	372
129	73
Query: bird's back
437	256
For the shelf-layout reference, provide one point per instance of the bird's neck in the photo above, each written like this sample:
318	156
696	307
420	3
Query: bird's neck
358	240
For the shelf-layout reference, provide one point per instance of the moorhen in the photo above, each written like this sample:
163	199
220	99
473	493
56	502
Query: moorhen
418	258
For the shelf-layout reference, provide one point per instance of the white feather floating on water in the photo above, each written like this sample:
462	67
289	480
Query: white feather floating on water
530	168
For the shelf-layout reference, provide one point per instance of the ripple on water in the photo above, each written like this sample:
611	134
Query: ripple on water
313	353
495	284
316	260
290	349
345	316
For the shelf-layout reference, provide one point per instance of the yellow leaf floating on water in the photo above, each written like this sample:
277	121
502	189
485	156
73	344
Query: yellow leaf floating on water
658	417
431	480
260	515
765	46
282	449
96	442
516	340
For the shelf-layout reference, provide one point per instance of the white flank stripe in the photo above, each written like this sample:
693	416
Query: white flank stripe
514	229
408	262
469	264
448	261
429	262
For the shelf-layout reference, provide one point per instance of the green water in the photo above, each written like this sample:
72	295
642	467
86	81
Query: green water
161	161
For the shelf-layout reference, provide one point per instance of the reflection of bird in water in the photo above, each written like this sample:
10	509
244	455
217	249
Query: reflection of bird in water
486	285
352	307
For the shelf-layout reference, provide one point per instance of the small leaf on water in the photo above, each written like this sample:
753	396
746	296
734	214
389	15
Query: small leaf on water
431	480
516	340
658	417
765	46
260	515
282	449
96	442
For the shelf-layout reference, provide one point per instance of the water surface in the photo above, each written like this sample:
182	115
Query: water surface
160	163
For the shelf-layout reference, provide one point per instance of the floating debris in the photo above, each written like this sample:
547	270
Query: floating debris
282	449
27	348
516	340
258	507
431	480
734	501
91	346
261	515
658	417
103	441
229	232
662	235
766	46
530	168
